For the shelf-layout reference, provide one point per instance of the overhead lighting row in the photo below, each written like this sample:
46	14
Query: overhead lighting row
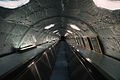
107	4
49	26
12	4
74	27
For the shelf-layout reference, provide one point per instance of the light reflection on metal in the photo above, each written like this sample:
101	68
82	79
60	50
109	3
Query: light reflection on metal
37	72
31	64
74	27
58	33
88	59
48	61
49	26
44	53
12	4
107	4
39	47
78	50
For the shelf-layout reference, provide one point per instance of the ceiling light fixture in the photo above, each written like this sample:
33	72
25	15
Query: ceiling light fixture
107	4
27	47
49	26
55	31
12	4
58	33
66	34
69	31
74	27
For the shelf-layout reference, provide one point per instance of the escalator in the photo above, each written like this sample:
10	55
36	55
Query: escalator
60	70
70	65
58	62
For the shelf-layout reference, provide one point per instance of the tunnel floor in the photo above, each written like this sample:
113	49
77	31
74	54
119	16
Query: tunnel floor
60	71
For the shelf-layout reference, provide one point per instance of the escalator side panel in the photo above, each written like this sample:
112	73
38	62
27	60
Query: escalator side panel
76	69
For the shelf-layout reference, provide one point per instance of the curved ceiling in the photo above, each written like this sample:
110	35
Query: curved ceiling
25	25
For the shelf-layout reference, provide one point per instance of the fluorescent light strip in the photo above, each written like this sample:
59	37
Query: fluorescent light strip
13	4
107	4
74	27
49	26
27	47
69	31
55	31
66	34
58	33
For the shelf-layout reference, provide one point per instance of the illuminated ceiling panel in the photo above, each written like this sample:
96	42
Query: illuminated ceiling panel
58	33
69	31
66	34
55	31
49	26
108	4
74	27
12	4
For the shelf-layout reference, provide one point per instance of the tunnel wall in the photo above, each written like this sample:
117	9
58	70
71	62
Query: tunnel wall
85	14
104	23
17	26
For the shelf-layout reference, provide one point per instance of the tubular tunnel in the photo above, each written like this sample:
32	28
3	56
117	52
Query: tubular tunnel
59	39
47	66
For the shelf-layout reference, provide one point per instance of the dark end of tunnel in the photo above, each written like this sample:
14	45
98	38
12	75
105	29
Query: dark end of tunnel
63	38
